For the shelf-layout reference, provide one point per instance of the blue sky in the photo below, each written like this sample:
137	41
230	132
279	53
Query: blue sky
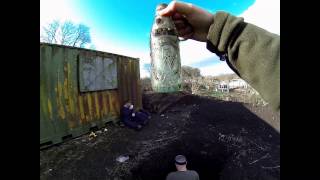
123	26
131	20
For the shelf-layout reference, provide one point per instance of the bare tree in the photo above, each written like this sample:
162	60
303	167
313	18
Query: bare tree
66	33
50	32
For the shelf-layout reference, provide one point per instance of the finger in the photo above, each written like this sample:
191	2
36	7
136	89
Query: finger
185	31
188	36
177	16
174	6
180	24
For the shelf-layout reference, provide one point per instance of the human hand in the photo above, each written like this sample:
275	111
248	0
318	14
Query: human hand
191	22
133	114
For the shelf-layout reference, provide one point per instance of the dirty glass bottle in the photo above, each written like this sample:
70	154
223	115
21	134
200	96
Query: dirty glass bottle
165	55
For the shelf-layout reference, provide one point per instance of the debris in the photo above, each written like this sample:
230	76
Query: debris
270	167
122	158
162	115
146	154
92	135
49	170
164	139
243	130
257	145
263	157
99	132
203	152
105	130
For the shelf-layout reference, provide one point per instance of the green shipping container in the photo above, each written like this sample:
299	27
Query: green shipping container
81	89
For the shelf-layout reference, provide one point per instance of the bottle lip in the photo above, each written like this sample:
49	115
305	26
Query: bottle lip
161	6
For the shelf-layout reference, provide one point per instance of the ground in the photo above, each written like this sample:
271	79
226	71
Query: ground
221	140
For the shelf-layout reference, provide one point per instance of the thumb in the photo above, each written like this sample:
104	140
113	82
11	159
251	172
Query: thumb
175	6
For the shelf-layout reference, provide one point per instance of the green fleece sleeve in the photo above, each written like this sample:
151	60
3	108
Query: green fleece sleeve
253	53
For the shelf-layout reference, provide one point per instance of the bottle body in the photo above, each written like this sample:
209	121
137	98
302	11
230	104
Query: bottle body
165	56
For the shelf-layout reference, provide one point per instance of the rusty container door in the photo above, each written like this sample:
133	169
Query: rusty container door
129	81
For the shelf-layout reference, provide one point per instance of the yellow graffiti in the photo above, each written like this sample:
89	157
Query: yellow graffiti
111	105
50	108
90	106
65	87
82	116
97	105
117	104
70	96
66	97
59	102
72	124
104	101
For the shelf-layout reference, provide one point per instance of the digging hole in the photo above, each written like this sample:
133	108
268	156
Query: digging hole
208	162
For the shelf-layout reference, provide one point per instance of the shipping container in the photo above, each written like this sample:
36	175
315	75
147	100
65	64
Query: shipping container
81	89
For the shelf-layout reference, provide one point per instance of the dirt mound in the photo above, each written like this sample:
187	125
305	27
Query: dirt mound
221	140
160	102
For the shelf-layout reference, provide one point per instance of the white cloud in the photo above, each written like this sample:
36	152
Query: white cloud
105	45
265	14
57	9
194	51
190	52
216	69
60	10
144	72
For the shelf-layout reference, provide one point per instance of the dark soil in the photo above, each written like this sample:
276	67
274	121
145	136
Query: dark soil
221	140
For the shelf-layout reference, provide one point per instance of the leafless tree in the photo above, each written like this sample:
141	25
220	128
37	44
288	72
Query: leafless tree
50	32
66	33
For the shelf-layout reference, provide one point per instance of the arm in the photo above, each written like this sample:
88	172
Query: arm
253	53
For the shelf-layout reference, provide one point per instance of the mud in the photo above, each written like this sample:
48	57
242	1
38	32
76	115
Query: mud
221	140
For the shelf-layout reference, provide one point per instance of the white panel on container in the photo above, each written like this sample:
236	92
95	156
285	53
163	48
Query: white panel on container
97	73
